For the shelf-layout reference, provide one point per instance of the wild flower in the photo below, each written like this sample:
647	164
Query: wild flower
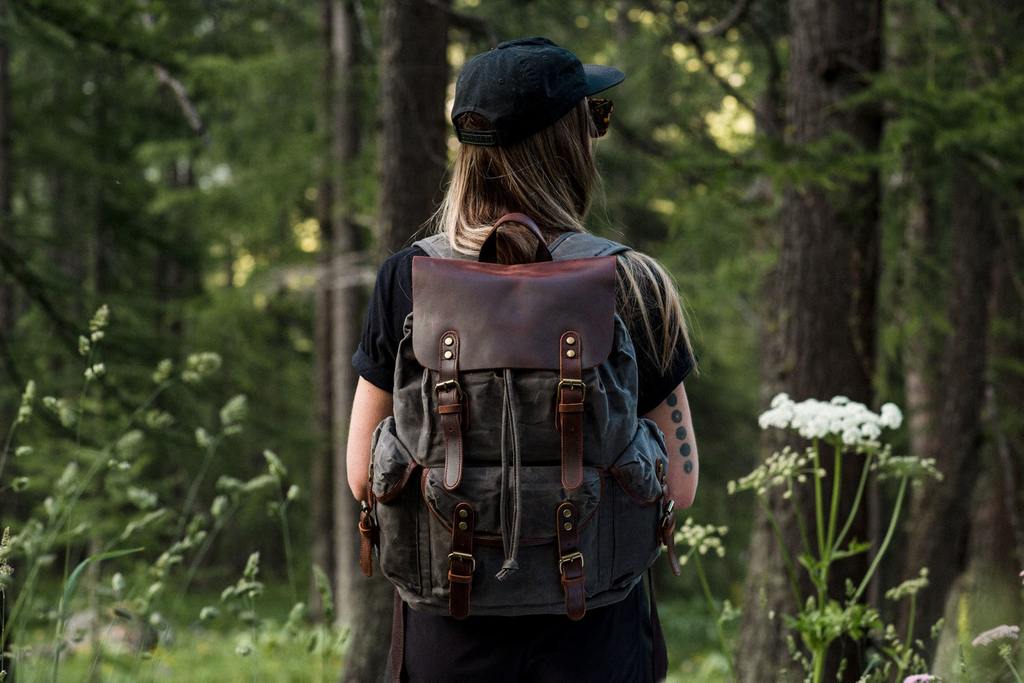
219	506
921	678
909	587
6	570
163	371
233	413
274	465
293	492
142	498
95	371
702	538
117	584
100	319
22	451
84	346
158	419
25	408
203	438
995	635
889	466
778	469
19	484
208	613
199	366
840	418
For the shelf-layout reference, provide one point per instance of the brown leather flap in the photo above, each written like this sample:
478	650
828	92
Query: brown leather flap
512	316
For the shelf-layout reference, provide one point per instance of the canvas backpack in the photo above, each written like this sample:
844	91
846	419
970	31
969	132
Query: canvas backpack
515	476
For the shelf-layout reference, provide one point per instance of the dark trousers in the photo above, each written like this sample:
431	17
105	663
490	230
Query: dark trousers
610	644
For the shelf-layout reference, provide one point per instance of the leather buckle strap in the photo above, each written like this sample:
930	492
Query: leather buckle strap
451	406
569	411
461	563
369	538
570	560
667	526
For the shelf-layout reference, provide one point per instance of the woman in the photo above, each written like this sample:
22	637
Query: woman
526	119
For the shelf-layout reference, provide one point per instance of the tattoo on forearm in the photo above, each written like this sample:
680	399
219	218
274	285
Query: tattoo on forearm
685	449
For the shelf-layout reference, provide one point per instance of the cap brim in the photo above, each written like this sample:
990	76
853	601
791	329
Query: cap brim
600	77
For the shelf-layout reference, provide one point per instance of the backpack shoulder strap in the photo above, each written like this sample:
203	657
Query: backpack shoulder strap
572	245
437	245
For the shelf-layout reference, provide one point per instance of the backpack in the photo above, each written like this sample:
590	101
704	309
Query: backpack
515	476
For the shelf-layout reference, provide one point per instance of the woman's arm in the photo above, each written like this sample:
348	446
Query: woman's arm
673	417
370	405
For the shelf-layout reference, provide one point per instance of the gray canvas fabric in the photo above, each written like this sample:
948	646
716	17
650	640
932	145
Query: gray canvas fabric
515	494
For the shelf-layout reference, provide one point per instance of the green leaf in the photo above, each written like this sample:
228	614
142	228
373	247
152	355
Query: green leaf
76	575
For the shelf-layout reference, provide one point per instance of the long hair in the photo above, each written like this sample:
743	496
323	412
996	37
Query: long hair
550	176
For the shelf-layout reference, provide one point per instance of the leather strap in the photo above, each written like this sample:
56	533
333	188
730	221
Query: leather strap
667	527
451	407
570	560
369	539
659	649
396	655
461	563
489	249
569	411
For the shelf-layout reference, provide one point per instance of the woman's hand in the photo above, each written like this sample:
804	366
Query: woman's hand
673	417
370	405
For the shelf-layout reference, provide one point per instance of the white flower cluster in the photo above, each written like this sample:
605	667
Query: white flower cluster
850	421
778	469
701	538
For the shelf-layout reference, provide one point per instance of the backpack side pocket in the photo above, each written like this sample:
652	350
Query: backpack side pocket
397	507
637	502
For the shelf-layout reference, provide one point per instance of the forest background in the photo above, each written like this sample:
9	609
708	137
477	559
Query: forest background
835	185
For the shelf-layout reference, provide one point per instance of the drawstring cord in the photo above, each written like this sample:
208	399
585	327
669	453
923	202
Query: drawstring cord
508	429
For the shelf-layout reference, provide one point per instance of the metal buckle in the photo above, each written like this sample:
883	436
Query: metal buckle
463	556
569	558
578	383
448	384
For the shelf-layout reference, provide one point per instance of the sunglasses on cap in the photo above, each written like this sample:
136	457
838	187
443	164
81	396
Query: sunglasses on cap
601	113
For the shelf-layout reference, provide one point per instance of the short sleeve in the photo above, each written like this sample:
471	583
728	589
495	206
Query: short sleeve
390	303
655	383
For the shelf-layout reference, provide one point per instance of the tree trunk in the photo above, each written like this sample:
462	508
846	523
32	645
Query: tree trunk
413	151
363	604
321	483
819	325
940	517
7	303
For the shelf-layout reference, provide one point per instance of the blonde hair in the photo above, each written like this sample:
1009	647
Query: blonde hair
550	176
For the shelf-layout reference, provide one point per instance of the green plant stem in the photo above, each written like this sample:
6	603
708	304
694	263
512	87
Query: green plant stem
287	538
833	514
818	660
819	503
714	611
193	489
885	541
861	485
1013	669
904	660
800	523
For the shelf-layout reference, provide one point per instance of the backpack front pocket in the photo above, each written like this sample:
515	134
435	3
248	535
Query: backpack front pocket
536	585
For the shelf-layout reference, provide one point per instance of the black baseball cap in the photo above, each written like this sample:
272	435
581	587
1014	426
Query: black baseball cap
522	86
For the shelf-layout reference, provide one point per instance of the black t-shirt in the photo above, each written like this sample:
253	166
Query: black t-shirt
391	302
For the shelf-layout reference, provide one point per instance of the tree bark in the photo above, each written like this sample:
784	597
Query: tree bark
940	517
321	483
7	303
413	144
364	605
819	325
